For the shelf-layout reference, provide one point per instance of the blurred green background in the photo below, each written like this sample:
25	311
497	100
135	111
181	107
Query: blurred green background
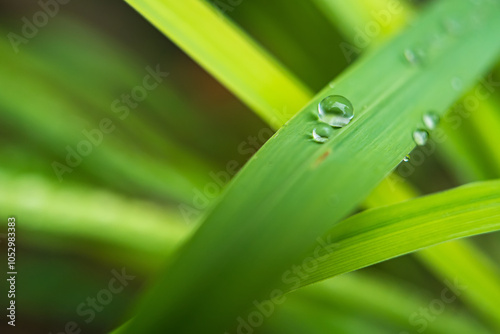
131	200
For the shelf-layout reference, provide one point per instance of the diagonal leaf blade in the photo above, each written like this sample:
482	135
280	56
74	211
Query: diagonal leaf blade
379	234
229	54
310	186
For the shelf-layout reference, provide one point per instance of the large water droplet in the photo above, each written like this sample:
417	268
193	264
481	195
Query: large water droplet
420	136
335	110
431	120
321	133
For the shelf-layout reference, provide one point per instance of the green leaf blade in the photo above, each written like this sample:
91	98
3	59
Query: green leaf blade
294	189
228	54
409	226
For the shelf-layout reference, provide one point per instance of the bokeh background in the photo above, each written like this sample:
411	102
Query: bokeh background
148	172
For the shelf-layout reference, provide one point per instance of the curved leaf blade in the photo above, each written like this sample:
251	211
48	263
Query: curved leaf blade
379	234
290	179
230	55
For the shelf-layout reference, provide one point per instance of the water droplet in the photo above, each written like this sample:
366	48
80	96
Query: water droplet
420	137
335	110
331	85
411	56
406	158
321	133
431	120
456	83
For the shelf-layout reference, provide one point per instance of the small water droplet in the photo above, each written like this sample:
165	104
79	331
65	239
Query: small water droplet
411	56
331	85
406	158
420	136
321	133
456	83
431	120
335	110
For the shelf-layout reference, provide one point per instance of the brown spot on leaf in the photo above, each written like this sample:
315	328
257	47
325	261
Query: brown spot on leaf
321	158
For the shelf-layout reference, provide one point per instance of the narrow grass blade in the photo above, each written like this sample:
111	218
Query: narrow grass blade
384	300
486	122
476	116
460	257
379	234
292	34
377	17
297	181
229	54
100	216
26	98
472	117
473	271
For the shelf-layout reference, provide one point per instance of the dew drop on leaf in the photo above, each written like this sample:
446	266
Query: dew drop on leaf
406	158
420	136
336	111
431	120
321	133
411	56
